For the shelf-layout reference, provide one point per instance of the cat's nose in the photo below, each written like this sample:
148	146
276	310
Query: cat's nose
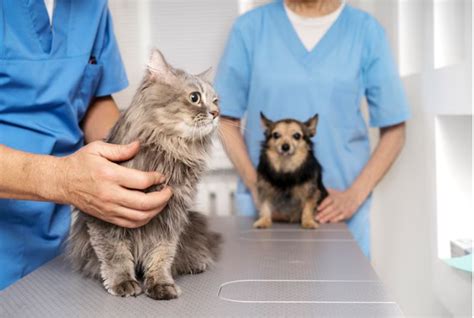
214	113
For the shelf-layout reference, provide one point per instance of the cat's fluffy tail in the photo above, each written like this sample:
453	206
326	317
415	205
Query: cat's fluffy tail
199	247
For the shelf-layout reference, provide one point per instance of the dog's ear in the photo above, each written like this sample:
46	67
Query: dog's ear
311	124
266	123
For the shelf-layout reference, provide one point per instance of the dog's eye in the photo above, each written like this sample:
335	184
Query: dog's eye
297	136
195	98
276	135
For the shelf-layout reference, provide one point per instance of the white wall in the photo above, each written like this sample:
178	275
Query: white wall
405	210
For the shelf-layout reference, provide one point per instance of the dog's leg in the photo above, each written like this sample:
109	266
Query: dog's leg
307	218
265	220
158	279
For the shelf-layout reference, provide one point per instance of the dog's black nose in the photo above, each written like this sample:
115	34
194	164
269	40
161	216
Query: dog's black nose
285	147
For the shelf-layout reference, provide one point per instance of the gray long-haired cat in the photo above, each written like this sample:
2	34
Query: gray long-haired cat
173	115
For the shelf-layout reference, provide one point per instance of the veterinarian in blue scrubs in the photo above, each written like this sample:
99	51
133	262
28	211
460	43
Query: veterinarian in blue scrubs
48	75
55	82
266	68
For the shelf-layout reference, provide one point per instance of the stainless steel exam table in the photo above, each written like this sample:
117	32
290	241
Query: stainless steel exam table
284	271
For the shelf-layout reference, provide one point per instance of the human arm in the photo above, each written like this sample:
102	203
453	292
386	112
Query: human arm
101	116
87	179
234	145
341	205
388	109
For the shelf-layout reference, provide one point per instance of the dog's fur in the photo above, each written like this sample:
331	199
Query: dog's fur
289	183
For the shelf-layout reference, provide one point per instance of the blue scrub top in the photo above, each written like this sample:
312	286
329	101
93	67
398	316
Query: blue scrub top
265	67
47	80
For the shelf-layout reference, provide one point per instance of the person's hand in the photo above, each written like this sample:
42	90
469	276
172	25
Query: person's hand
91	181
338	206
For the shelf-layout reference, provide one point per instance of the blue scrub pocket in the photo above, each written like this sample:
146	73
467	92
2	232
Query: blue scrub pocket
90	82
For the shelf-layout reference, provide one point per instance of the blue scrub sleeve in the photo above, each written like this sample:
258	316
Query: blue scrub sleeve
114	77
383	87
233	76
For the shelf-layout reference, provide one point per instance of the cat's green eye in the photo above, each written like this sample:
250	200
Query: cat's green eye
195	97
215	101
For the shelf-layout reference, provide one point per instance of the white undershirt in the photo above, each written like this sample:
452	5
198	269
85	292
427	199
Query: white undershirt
49	7
311	30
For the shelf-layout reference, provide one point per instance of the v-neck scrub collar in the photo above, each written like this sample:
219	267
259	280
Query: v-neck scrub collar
314	21
289	35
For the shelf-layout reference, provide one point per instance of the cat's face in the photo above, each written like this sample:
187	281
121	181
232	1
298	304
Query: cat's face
181	104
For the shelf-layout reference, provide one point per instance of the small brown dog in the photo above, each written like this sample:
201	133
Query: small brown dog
289	180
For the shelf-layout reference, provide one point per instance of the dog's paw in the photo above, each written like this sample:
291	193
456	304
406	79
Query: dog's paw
309	224
263	223
162	291
126	288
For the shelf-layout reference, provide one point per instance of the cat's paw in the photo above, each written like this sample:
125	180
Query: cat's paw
263	223
126	288
200	267
162	291
309	224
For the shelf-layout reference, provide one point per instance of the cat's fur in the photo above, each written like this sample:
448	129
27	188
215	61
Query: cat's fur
175	137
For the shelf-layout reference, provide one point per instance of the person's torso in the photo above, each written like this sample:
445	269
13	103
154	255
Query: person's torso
47	81
287	81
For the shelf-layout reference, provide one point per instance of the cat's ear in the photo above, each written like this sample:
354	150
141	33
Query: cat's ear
311	124
206	75
266	123
159	68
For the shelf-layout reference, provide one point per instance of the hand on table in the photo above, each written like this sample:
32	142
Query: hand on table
338	206
91	181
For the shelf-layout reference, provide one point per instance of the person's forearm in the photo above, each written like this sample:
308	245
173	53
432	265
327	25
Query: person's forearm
386	152
101	116
234	145
28	176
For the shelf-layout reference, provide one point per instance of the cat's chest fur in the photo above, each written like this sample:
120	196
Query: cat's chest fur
182	169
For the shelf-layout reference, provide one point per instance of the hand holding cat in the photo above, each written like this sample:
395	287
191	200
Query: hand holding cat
338	206
95	184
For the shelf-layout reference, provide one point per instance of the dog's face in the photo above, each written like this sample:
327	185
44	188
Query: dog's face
289	137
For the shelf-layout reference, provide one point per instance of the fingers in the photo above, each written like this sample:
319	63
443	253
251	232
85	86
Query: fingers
338	218
326	202
323	216
114	152
331	217
140	201
136	179
140	212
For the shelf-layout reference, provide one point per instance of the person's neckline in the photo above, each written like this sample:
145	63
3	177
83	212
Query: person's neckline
291	39
313	21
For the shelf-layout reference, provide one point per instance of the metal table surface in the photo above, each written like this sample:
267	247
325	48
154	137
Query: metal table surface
283	271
